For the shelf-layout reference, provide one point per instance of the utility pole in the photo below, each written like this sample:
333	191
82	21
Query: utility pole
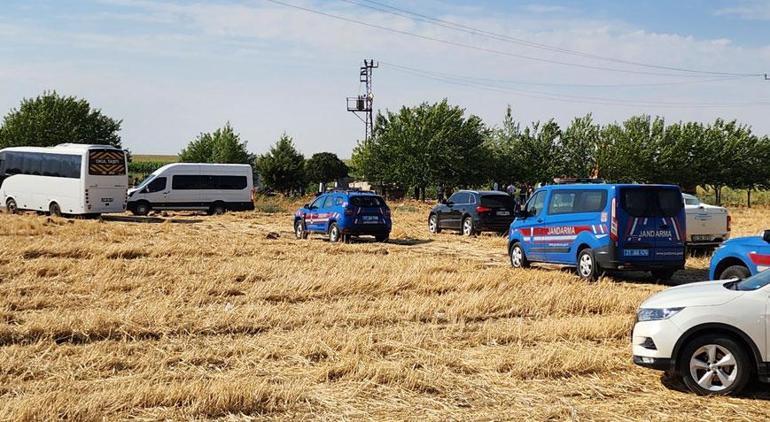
362	104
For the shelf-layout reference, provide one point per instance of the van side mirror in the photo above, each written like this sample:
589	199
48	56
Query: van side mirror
521	214
306	206
766	236
146	190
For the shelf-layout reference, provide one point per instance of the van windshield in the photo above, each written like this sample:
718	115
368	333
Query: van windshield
146	181
497	201
648	201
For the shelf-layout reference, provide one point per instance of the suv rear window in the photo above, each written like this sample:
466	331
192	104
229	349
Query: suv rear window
366	201
497	201
651	201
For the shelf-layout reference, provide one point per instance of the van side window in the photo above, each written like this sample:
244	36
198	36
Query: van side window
231	182
576	201
535	204
185	182
157	185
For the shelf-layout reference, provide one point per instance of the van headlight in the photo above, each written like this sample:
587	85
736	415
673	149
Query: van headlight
656	314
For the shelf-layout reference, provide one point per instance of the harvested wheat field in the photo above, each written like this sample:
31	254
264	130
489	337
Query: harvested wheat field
217	317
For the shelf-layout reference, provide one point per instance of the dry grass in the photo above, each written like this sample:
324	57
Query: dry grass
213	319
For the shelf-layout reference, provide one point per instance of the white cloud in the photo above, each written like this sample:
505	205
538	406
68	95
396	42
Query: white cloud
747	9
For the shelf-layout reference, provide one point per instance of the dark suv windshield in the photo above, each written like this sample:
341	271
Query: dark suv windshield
754	282
366	201
651	201
497	201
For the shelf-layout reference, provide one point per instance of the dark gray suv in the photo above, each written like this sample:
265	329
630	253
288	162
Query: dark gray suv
473	212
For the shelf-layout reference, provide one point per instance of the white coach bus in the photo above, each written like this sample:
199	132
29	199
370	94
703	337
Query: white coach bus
65	179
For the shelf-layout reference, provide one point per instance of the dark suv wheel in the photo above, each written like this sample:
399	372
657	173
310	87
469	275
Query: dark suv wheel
433	226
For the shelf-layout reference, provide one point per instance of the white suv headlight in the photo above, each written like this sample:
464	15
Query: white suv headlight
655	314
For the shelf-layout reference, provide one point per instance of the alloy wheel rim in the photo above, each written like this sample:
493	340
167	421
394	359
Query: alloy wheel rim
432	224
335	235
586	265
516	257
467	227
299	230
713	367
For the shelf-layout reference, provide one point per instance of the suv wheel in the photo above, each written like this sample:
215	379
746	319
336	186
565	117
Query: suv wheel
715	365
518	258
299	229
586	265
468	229
433	226
735	271
381	238
663	275
334	233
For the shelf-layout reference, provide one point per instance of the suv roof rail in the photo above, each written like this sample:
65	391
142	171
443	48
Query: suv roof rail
571	180
349	190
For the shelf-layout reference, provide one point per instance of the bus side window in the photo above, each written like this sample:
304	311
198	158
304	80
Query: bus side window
2	163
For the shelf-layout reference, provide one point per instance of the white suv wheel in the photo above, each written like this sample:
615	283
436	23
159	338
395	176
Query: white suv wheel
713	367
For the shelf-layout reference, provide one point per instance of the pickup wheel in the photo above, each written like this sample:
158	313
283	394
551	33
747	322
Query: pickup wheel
734	271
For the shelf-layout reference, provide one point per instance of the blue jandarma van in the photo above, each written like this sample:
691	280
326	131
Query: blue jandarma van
597	226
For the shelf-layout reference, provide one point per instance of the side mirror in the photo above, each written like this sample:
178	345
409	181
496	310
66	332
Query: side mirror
146	190
766	236
449	203
442	201
306	206
521	214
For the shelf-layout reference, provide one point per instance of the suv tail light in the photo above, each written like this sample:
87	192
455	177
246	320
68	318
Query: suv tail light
729	222
482	209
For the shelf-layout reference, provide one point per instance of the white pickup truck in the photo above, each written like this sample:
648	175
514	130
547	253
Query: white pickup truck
707	225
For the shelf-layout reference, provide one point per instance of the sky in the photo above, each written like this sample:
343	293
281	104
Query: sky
173	69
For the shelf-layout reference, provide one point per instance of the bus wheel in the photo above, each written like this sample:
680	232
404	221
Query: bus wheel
54	209
11	206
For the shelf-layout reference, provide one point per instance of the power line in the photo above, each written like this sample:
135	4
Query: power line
473	47
386	8
573	85
567	98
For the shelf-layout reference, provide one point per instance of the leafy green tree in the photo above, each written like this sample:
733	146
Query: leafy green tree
52	119
283	167
578	148
427	145
539	152
504	165
221	146
325	167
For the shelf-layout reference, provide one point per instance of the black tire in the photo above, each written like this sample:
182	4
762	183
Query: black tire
142	208
587	269
334	233
54	209
299	230
433	225
663	275
517	257
734	271
381	238
11	207
467	228
217	208
698	349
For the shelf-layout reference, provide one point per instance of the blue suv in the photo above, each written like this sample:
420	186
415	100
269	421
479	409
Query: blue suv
596	227
341	214
741	257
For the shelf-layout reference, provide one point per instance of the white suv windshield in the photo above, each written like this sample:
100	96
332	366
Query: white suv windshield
754	282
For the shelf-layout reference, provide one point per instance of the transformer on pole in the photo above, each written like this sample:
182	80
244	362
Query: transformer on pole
362	104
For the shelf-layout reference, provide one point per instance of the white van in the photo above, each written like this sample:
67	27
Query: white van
72	179
214	188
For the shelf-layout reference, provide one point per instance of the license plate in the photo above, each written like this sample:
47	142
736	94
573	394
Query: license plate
503	213
701	238
107	199
636	252
371	219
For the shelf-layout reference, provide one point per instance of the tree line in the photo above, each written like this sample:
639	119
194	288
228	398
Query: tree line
433	146
436	145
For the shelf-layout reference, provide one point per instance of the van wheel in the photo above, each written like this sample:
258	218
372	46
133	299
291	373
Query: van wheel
217	209
735	271
518	258
142	208
586	265
334	233
11	207
54	209
663	275
299	229
714	365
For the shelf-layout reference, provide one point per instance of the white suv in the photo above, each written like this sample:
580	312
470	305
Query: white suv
713	334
